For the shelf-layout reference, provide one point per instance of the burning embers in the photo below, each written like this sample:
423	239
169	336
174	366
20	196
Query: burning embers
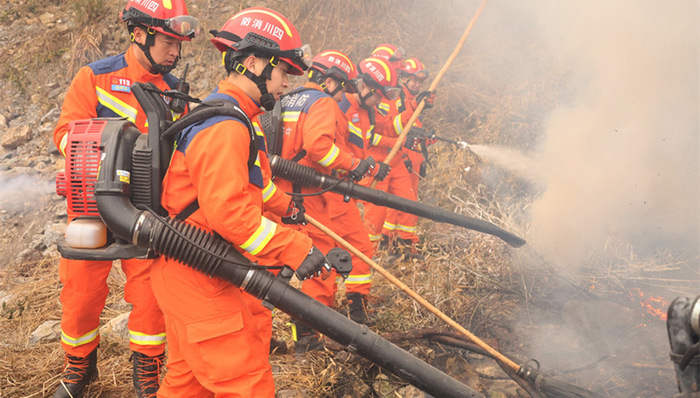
654	307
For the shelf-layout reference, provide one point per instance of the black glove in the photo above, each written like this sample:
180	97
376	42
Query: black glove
409	165
429	97
312	265
414	138
295	213
423	170
383	170
363	168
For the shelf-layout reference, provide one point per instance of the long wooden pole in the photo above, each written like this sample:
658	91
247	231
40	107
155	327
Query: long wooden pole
412	293
433	85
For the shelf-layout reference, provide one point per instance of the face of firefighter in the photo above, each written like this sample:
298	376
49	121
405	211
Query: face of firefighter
279	81
332	85
414	84
164	50
374	99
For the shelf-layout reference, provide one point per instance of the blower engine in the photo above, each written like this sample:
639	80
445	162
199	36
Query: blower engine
683	325
113	174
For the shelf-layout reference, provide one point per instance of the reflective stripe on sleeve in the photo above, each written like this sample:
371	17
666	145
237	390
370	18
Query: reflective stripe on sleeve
330	157
398	125
261	237
358	279
376	139
269	190
63	144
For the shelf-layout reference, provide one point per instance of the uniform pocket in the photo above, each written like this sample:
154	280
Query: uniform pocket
212	328
228	348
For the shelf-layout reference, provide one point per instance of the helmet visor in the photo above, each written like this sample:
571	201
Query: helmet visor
421	75
183	25
300	56
399	55
390	93
357	85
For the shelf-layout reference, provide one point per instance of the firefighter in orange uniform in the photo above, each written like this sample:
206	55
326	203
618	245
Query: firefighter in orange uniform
358	107
398	223
398	182
387	224
103	89
214	344
311	122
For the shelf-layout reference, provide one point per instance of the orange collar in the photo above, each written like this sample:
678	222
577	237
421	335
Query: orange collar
247	104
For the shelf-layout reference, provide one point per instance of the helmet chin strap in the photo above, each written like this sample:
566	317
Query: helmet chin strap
363	99
146	48
334	92
267	100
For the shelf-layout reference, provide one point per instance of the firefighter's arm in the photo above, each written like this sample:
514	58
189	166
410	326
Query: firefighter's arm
319	137
80	103
217	160
274	199
382	141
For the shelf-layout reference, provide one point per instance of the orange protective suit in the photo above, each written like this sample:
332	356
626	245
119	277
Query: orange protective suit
389	120
398	223
346	220
311	123
214	339
103	89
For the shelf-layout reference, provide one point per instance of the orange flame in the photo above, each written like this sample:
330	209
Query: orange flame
652	305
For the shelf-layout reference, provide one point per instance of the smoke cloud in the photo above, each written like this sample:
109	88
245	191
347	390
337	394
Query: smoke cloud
620	157
19	193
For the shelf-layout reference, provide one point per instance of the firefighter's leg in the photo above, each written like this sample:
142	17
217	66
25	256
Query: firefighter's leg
374	215
146	327
357	286
405	224
216	336
146	324
83	298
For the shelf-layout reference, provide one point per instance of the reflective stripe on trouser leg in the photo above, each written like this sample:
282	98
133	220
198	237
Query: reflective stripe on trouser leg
83	298
350	227
401	185
146	324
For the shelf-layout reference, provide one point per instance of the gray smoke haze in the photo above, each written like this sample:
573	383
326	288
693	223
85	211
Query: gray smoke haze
620	157
21	192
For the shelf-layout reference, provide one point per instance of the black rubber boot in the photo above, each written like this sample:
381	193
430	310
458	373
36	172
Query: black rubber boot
146	375
277	346
305	339
357	309
409	250
78	373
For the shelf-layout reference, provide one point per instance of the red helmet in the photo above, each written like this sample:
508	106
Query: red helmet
337	65
414	68
265	32
380	75
169	17
389	52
